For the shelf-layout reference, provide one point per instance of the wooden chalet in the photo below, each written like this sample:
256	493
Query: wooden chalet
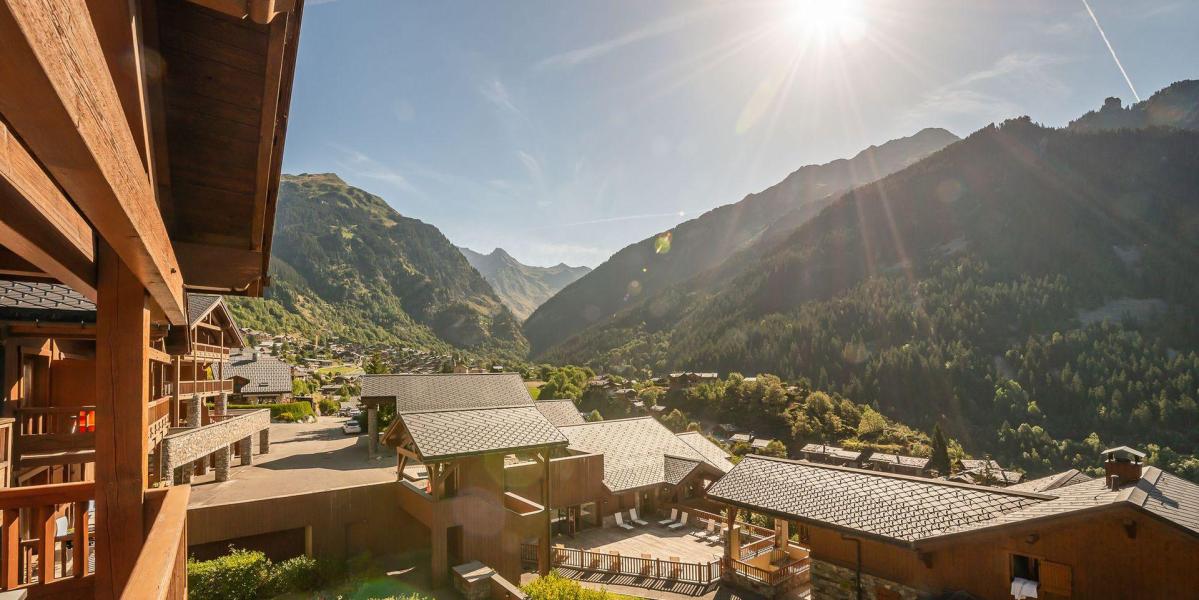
865	534
140	146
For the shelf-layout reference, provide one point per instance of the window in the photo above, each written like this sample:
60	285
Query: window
1025	567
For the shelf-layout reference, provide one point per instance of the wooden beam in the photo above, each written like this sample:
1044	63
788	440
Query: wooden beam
268	127
70	116
209	267
38	223
259	11
122	391
12	265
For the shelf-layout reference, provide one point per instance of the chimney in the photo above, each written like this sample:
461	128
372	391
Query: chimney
1122	466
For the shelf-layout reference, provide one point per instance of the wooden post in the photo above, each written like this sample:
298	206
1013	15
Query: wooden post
175	407
733	546
543	550
122	392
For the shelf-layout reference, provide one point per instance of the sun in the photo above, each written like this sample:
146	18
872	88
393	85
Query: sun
828	19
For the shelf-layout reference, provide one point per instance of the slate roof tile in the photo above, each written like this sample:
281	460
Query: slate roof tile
457	391
46	301
265	374
634	450
713	454
560	412
451	433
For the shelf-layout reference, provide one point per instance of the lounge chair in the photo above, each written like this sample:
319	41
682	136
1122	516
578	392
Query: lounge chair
681	524
635	518
623	525
709	531
674	516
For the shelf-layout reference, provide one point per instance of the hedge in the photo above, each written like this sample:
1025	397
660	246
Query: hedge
249	574
556	587
289	412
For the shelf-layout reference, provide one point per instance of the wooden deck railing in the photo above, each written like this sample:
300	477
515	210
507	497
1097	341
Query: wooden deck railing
208	386
698	515
160	572
45	538
786	577
210	350
6	452
49	429
701	573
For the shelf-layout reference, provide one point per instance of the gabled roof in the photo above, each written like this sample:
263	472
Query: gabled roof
452	391
1052	482
560	412
634	450
264	373
984	476
894	507
713	454
442	435
899	459
833	451
676	469
199	305
36	300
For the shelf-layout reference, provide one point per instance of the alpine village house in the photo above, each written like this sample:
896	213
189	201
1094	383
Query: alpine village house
140	152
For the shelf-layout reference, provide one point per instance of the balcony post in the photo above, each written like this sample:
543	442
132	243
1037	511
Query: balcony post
372	430
733	547
122	394
194	406
222	403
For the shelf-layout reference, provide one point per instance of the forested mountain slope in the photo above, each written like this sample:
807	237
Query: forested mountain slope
521	287
971	289
347	264
642	269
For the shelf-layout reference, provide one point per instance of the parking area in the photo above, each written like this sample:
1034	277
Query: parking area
304	457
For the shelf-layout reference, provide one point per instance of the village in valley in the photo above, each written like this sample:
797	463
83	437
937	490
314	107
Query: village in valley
186	410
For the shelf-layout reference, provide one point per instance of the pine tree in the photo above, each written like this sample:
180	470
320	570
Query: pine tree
939	461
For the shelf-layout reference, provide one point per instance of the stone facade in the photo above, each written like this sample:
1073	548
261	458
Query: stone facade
182	446
831	582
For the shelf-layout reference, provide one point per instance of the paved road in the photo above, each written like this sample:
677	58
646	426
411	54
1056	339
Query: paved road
304	457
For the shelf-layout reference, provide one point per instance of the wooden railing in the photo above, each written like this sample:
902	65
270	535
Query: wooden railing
6	452
45	538
785	577
698	514
701	573
45	429
208	386
210	350
160	572
521	505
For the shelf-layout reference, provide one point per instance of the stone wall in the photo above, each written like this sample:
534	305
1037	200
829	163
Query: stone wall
832	582
182	446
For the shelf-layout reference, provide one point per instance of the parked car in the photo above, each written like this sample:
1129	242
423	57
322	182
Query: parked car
351	428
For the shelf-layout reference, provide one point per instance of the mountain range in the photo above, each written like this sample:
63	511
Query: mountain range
1025	287
643	269
522	288
345	264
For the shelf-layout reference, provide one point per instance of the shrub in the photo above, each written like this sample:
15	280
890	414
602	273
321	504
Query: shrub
297	574
296	410
556	587
236	576
329	406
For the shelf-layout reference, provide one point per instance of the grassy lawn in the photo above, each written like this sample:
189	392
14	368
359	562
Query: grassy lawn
335	370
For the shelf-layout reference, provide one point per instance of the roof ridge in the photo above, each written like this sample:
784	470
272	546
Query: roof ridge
913	478
464	409
438	374
613	421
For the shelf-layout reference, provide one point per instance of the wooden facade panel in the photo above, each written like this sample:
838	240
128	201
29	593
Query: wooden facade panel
185	16
205	78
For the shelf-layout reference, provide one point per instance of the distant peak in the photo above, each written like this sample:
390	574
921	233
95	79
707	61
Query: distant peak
322	177
499	253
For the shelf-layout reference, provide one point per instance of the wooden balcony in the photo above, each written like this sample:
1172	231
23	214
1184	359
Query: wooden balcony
47	542
6	451
55	435
208	352
210	387
158	415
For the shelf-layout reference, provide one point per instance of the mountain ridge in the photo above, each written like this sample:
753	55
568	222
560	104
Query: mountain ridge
521	287
697	245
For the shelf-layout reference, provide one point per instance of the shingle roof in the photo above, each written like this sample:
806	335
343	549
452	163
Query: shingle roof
1052	482
198	305
715	455
21	300
634	450
264	374
560	412
676	469
834	451
978	463
984	476
898	459
457	391
451	433
897	507
760	442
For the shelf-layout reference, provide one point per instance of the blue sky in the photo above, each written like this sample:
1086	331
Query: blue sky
563	131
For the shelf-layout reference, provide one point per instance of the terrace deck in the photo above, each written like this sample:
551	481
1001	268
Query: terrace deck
655	540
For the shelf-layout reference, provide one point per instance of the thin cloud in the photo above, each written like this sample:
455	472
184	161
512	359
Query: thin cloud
359	164
678	214
978	93
496	93
585	54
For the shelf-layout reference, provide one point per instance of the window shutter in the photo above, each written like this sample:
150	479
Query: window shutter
1056	578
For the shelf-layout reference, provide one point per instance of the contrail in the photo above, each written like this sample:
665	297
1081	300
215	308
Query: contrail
1112	50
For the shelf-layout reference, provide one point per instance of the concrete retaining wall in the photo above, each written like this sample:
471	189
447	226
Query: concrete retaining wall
834	582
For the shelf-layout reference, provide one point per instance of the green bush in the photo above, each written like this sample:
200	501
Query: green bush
295	410
556	587
298	574
329	406
236	576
